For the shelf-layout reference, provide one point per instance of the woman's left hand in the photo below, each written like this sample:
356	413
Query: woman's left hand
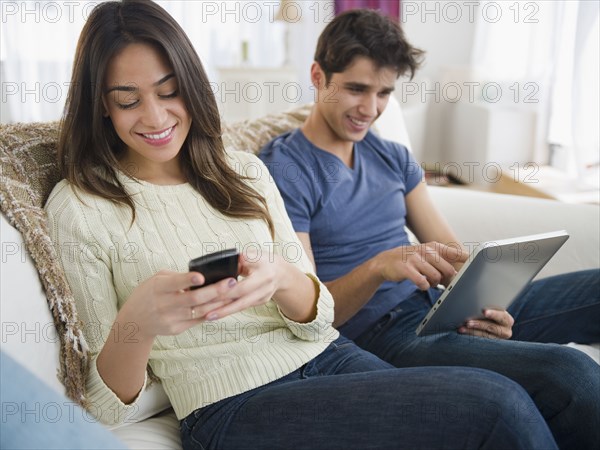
257	287
497	324
268	275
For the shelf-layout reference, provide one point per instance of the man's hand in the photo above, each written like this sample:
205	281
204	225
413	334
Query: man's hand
496	325
426	265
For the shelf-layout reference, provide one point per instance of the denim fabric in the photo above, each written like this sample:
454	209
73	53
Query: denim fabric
564	383
34	416
347	398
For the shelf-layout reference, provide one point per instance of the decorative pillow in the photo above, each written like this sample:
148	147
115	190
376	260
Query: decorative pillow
251	135
28	172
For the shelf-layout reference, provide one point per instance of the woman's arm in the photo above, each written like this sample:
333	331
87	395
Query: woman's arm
283	272
161	305
119	341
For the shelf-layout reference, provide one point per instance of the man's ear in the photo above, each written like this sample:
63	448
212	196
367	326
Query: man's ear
317	76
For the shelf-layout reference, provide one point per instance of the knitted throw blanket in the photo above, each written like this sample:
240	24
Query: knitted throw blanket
28	174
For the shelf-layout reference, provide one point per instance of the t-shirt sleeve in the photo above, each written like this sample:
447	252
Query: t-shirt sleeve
292	175
409	168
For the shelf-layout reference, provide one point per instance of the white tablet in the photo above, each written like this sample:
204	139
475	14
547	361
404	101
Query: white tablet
493	276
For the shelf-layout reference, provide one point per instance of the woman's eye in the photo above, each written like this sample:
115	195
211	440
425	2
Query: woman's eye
127	105
171	95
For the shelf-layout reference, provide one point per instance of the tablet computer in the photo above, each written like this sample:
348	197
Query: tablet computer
493	276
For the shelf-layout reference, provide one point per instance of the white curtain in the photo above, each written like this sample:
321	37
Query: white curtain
38	44
39	39
575	109
547	58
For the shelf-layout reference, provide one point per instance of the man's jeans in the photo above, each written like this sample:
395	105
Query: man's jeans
564	383
347	398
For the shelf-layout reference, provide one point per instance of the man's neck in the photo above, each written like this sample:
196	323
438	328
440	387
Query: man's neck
316	130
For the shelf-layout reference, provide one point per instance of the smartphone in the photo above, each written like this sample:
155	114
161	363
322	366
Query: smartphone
216	266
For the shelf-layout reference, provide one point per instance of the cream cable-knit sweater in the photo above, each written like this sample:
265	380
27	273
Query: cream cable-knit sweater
104	260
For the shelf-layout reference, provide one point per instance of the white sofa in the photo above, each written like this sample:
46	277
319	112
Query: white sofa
28	333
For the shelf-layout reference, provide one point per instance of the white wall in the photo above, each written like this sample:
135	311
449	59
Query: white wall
447	35
447	120
435	29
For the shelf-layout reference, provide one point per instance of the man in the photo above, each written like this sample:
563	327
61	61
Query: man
349	195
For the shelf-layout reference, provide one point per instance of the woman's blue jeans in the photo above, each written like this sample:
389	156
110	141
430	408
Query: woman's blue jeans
347	398
563	382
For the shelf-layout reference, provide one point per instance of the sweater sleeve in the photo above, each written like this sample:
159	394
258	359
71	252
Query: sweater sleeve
87	266
287	244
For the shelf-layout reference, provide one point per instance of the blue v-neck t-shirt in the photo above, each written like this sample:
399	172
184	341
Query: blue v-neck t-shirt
351	214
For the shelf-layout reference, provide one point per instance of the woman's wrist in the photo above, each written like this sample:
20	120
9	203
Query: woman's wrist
283	277
297	293
128	323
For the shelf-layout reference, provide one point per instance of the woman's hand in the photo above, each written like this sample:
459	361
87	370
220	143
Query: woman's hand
164	304
497	324
268	276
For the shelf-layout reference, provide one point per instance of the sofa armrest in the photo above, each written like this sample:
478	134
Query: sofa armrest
482	216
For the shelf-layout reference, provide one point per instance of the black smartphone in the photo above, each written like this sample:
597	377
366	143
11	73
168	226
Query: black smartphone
216	266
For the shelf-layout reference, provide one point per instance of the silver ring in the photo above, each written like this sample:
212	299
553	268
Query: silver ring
193	312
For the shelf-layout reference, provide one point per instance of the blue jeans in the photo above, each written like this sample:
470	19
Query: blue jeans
36	416
347	398
564	383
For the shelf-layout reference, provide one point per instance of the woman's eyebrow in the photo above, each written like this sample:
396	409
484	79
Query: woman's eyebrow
164	79
133	88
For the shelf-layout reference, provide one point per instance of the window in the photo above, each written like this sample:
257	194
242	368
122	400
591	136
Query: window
39	39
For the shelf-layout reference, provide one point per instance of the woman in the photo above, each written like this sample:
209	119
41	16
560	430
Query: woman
249	363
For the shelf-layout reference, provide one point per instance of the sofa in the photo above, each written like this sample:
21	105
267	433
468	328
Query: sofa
36	314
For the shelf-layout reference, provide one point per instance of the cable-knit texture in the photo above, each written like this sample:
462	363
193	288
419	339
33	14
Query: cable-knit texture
28	172
105	258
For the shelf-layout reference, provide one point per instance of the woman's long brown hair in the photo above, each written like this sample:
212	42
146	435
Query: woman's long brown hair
89	148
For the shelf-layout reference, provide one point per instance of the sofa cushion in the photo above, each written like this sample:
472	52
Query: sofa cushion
28	332
160	432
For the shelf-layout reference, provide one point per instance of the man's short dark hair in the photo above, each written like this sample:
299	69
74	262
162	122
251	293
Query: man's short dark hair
365	32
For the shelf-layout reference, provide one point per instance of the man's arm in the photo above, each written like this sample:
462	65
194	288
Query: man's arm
424	264
427	222
352	290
